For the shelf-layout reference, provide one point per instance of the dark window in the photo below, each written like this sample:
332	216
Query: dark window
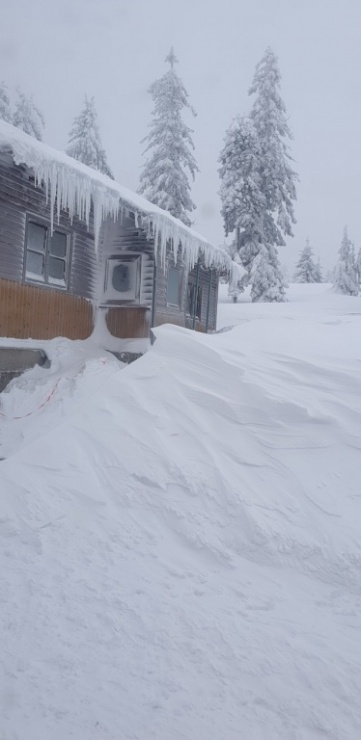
46	255
173	286
194	300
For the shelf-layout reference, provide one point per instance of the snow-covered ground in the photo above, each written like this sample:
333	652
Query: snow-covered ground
180	545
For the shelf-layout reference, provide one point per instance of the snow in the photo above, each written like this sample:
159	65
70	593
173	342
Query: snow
180	548
73	186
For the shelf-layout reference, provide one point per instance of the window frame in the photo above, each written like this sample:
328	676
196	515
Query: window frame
46	282
179	274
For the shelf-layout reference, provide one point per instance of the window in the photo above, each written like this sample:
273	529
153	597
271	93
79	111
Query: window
122	278
194	300
46	255
173	286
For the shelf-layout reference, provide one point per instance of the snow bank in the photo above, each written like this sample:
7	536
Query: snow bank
72	186
180	549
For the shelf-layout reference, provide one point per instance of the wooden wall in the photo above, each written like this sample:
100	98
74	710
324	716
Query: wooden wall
128	322
29	312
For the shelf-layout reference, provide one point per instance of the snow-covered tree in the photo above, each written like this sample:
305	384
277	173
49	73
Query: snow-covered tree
5	112
346	271
243	203
268	114
319	272
164	180
277	177
358	266
28	117
268	283
307	271
258	183
84	140
330	275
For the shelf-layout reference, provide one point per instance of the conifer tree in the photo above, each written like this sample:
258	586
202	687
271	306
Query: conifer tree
266	215
358	266
307	270
28	117
267	279
346	271
164	180
268	114
242	201
84	140
5	112
319	272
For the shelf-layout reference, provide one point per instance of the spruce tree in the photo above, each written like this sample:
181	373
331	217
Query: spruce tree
307	270
28	117
267	280
346	280
5	113
268	114
84	140
164	179
277	177
319	273
260	161
241	197
358	266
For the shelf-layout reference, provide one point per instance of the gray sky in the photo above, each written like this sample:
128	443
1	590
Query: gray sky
113	49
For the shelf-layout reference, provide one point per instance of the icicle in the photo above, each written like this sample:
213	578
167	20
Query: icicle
75	187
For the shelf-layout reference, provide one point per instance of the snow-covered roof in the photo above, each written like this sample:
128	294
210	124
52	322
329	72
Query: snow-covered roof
73	186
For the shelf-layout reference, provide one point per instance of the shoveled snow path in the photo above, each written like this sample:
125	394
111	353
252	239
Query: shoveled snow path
180	554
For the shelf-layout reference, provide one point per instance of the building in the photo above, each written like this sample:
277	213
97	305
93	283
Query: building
76	246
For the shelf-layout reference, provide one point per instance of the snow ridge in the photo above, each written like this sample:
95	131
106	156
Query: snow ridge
179	539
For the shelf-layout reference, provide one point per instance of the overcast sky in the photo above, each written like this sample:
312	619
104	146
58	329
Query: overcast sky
114	49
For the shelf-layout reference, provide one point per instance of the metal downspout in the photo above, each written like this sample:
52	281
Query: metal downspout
152	318
208	299
195	297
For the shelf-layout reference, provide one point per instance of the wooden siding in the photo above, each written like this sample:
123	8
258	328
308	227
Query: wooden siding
19	197
128	322
29	312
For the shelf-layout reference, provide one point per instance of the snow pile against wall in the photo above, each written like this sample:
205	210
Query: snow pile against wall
75	187
180	549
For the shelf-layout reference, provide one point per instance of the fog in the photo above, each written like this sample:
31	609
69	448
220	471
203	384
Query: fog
114	50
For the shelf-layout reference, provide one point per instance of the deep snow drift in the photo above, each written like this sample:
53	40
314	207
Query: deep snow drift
180	538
